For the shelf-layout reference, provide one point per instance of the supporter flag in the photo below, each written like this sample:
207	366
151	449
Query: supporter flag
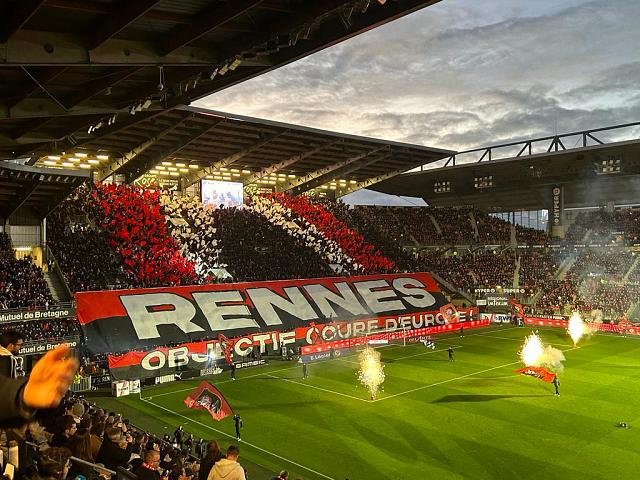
538	372
207	397
517	307
226	345
449	313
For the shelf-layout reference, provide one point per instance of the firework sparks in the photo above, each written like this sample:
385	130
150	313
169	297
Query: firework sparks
535	354
577	328
371	373
532	350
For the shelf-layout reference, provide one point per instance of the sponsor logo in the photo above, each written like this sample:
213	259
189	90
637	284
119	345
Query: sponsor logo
556	207
45	347
210	371
36	315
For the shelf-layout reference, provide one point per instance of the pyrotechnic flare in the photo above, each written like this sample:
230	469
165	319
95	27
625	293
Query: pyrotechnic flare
371	373
535	354
532	350
577	328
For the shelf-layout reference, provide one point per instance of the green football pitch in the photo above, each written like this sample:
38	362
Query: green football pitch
434	419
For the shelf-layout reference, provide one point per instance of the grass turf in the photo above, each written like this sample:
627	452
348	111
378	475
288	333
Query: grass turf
470	418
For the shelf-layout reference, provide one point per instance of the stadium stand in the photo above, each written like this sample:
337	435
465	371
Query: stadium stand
365	256
81	248
255	249
22	283
194	228
52	330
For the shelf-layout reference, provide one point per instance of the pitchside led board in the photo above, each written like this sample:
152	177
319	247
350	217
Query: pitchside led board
130	326
215	193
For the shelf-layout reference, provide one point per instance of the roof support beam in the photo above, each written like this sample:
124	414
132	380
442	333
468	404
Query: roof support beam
300	184
369	181
29	87
342	172
118	163
205	21
229	160
94	87
265	172
15	20
119	20
22	198
148	163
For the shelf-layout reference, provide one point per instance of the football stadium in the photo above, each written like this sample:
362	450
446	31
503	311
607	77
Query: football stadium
189	293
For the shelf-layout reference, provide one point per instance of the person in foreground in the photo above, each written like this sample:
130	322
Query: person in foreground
44	388
228	468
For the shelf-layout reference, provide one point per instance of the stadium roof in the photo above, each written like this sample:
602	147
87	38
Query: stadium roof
39	189
74	65
190	144
590	175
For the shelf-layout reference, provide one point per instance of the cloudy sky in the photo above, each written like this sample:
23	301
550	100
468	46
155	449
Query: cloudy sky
464	74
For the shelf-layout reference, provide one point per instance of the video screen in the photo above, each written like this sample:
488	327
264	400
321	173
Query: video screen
216	193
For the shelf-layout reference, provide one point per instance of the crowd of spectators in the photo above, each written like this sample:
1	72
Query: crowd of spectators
455	225
492	230
366	257
255	249
467	270
531	236
78	440
604	226
81	249
22	283
302	232
537	268
194	228
596	280
138	232
45	330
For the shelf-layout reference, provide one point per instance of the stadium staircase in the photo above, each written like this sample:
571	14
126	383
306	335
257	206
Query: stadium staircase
514	240
54	277
413	239
450	288
435	224
59	292
474	224
516	274
634	265
564	267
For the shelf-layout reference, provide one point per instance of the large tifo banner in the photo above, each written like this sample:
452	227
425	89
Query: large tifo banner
258	315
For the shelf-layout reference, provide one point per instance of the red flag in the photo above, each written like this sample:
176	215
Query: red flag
538	372
207	397
449	313
226	346
517	306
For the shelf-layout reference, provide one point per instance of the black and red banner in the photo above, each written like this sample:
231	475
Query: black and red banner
207	397
537	372
132	325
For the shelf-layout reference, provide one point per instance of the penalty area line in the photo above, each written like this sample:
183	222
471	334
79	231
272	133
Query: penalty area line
243	442
446	381
320	388
220	382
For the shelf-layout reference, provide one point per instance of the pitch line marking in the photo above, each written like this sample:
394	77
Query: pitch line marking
222	381
427	353
243	442
520	339
445	381
320	388
457	378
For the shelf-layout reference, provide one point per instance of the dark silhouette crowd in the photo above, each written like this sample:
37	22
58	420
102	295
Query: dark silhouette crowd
353	244
22	283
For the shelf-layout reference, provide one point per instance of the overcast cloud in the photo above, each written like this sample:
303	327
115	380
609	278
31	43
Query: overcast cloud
464	73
